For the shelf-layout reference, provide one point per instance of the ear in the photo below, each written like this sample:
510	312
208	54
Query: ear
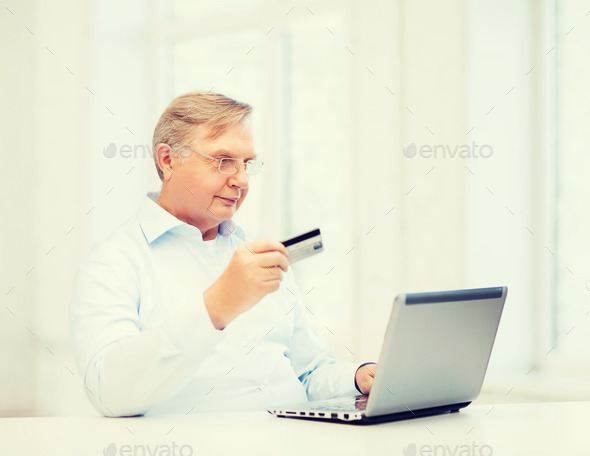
165	160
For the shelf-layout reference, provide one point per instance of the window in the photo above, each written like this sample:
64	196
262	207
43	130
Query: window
571	262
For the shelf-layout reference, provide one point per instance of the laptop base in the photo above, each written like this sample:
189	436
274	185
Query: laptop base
430	411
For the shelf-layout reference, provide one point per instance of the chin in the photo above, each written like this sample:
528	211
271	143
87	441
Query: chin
225	214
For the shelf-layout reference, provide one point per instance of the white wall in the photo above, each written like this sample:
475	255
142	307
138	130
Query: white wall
45	132
417	246
18	243
499	188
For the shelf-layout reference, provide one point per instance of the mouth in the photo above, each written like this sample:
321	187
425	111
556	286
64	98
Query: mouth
229	200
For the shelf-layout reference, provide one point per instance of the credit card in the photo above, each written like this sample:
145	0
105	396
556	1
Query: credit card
304	245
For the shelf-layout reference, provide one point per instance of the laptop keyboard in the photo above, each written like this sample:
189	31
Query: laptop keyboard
358	403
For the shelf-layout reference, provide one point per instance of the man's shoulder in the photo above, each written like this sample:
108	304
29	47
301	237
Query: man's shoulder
124	244
112	265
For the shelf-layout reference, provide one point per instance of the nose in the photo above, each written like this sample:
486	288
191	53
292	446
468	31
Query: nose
240	178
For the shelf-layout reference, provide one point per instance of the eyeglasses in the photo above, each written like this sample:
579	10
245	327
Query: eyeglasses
232	165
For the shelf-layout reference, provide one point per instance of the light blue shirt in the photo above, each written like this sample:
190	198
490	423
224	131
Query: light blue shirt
144	342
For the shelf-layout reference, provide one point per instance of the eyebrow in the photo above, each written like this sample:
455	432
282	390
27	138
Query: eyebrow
221	153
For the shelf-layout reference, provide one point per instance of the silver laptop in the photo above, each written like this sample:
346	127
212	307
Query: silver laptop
433	360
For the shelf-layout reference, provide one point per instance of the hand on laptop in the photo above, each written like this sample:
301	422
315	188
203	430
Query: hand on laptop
364	377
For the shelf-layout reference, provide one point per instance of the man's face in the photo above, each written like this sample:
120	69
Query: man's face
198	193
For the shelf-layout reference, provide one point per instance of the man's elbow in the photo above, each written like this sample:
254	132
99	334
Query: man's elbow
110	402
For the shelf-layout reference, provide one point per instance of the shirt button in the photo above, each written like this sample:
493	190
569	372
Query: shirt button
262	387
244	343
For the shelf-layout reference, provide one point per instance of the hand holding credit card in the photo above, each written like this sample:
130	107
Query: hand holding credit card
304	245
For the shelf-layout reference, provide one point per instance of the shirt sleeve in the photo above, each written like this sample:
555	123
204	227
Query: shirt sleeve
127	370
313	358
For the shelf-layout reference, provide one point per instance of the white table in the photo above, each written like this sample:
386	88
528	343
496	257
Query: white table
508	429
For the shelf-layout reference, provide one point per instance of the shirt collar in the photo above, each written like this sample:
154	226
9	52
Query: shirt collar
154	221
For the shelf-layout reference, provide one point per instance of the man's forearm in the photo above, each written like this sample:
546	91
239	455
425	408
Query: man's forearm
130	376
